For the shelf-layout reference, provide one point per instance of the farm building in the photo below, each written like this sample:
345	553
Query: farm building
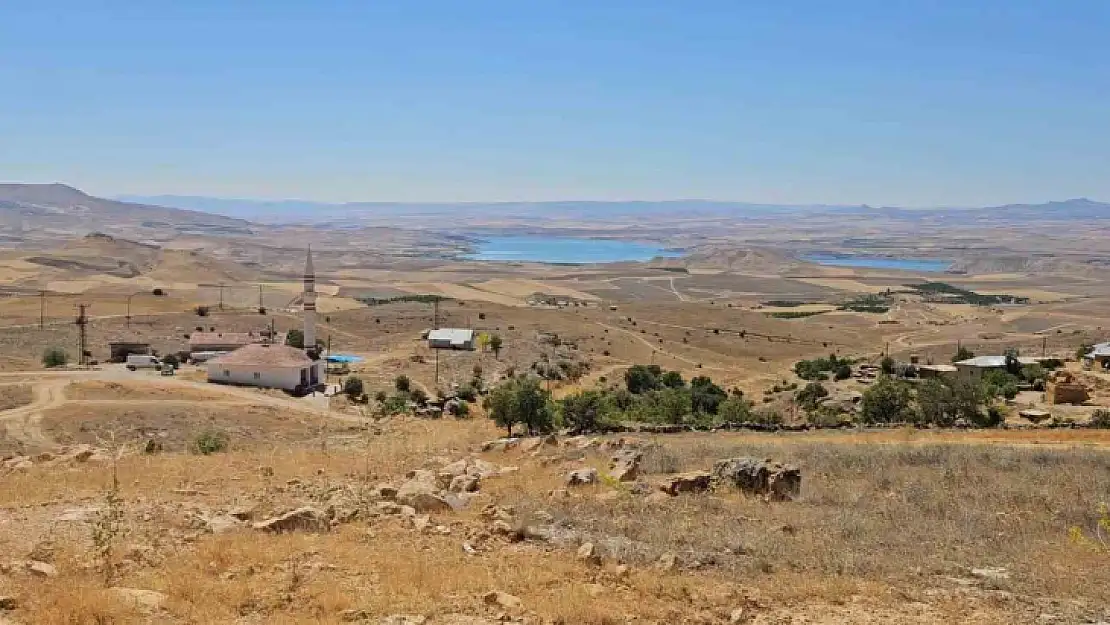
937	371
267	366
229	341
451	338
120	350
1098	356
973	369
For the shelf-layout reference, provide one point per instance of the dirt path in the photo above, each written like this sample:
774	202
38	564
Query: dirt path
656	348
25	423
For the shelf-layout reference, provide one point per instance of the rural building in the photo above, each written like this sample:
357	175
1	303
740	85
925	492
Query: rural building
1064	388
120	350
937	371
1099	355
451	338
228	341
973	369
267	366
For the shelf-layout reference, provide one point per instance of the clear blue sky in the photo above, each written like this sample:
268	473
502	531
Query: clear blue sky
911	102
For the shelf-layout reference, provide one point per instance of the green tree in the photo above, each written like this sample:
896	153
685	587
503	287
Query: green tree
583	412
403	384
887	401
1034	373
887	365
353	387
843	371
521	400
936	402
673	405
809	396
419	396
295	338
735	410
963	353
705	396
1083	350
672	379
1013	364
54	357
642	378
495	344
998	383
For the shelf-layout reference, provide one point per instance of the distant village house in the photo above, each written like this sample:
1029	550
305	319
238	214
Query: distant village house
973	369
267	366
229	341
451	338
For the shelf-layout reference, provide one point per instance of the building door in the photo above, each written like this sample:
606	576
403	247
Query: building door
304	378
314	372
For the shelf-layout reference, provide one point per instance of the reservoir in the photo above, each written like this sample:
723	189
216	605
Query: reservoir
565	250
929	265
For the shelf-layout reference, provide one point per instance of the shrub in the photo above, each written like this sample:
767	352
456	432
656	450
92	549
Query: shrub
521	400
158	292
54	357
495	344
172	360
460	409
735	409
380	397
402	383
887	365
582	412
963	353
810	395
201	311
843	372
642	378
211	442
353	387
419	396
1101	419
886	401
262	310
468	393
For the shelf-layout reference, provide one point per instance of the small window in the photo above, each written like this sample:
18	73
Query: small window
257	375
227	373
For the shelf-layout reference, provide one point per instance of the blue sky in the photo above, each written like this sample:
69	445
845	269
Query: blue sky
910	102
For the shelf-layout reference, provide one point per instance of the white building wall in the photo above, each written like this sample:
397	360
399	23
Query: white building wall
288	378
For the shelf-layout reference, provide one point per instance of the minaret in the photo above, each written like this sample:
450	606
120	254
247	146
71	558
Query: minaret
309	298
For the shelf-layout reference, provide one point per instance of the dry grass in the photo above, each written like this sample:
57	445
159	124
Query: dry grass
15	395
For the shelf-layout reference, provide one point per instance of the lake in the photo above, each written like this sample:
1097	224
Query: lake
928	265
565	250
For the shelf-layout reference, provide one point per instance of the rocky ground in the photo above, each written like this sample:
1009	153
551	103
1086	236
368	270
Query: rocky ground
438	523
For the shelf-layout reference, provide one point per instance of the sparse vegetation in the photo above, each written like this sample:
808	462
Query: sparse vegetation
353	388
211	442
521	401
201	311
949	294
870	303
819	369
400	299
54	357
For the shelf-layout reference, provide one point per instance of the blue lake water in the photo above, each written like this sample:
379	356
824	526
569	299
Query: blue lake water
542	249
879	262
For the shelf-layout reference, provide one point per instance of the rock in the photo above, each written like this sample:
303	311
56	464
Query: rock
484	469
559	493
221	523
534	445
45	456
146	601
242	513
657	498
463	619
739	615
608	496
582	477
501	444
403	619
456	468
8	603
621	571
305	519
421	522
666	562
20	464
152	446
388	507
625	465
464	484
502	528
588	554
41	569
77	515
385	491
595	590
426	502
773	480
502	600
81	453
354	616
696	482
991	574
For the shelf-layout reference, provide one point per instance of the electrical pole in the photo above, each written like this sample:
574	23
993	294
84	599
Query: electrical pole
261	306
1044	347
82	339
42	309
435	314
437	367
221	296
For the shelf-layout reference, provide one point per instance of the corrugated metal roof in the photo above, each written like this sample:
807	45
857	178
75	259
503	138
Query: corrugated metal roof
455	336
1101	349
991	362
265	355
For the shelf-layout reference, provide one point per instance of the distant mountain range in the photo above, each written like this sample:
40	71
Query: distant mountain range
301	211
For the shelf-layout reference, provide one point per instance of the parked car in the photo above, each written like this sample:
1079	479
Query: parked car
140	361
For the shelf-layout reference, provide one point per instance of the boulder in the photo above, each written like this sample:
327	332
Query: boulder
501	444
502	600
484	469
588	553
534	445
403	619
429	502
221	523
423	488
582	477
387	492
8	602
41	569
666	562
760	477
146	601
456	468
305	519
696	482
625	465
465	484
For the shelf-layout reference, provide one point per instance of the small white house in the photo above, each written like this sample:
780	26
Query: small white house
973	369
451	338
267	366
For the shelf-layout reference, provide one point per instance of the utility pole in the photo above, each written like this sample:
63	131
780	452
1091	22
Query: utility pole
1044	347
437	367
435	314
42	309
261	306
221	296
129	308
82	339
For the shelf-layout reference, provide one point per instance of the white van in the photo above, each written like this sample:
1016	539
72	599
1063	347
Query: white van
140	361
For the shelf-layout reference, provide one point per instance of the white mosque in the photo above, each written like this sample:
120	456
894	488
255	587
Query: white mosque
277	366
